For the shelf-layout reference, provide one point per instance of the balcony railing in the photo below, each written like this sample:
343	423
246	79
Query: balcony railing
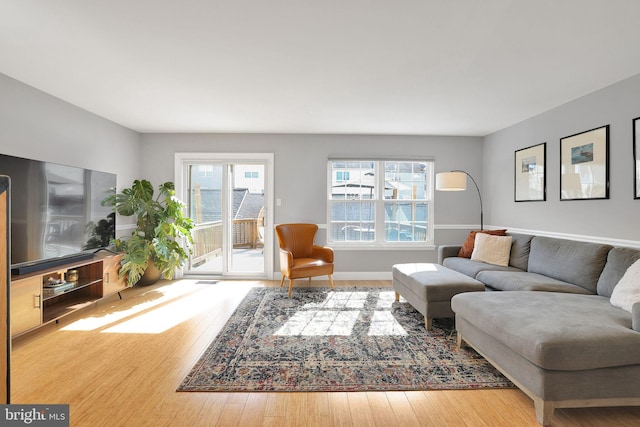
207	238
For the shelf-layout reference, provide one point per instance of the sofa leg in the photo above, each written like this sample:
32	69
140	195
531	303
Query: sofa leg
428	322
397	297
544	411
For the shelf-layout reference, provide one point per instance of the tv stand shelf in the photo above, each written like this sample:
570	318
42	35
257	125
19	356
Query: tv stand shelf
47	296
34	304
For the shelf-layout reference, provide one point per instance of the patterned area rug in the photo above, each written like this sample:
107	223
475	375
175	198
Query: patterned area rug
347	339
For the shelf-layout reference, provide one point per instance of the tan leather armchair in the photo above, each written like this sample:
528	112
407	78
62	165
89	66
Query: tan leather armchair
299	257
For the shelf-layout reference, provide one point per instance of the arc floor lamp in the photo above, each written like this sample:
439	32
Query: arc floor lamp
456	180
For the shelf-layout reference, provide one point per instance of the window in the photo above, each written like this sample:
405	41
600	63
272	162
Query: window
380	203
342	176
204	171
251	175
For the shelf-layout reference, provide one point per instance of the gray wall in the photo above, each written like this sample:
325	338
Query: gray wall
300	179
39	126
612	219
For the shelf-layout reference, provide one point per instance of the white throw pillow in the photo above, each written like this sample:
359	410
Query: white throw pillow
627	291
492	249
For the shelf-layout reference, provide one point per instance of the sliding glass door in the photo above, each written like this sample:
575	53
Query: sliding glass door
228	200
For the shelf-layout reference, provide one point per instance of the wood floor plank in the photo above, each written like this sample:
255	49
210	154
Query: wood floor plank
212	409
339	409
421	404
381	410
319	413
297	410
277	404
119	362
253	413
402	409
230	416
361	414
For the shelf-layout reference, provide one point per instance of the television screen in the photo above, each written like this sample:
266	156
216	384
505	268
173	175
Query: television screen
56	210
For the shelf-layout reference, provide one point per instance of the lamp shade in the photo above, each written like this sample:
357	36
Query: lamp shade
451	181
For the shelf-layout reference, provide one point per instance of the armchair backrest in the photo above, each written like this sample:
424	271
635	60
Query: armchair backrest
297	238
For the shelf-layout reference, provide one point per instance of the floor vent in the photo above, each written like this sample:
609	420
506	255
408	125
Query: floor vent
207	282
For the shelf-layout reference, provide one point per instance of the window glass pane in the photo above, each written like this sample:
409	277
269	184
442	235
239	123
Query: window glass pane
353	180
405	180
353	221
205	193
406	222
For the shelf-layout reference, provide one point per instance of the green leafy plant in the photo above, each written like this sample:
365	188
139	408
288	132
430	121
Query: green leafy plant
162	235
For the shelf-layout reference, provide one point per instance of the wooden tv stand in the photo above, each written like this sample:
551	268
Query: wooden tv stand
33	304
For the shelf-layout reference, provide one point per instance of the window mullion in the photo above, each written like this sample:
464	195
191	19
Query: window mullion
380	213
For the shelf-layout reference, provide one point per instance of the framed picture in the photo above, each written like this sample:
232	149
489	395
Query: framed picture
529	174
584	165
636	157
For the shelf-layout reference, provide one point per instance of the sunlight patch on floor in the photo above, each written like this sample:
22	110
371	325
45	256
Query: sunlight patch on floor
165	317
319	323
160	295
322	319
341	300
157	296
386	299
384	324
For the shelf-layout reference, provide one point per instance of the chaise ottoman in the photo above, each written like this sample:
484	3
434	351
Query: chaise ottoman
430	287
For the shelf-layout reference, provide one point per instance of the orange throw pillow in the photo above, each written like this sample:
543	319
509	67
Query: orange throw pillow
467	246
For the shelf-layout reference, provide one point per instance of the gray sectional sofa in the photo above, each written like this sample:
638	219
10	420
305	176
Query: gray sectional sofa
555	334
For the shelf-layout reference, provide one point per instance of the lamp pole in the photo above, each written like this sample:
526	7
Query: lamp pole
479	196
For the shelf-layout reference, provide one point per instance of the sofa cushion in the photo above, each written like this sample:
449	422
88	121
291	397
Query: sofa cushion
555	331
618	261
627	291
472	268
467	247
520	248
492	249
580	263
523	281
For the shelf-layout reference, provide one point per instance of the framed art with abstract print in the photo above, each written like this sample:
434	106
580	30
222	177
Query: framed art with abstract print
584	165
530	182
636	158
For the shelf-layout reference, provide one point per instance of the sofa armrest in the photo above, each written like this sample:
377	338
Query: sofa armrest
446	251
635	317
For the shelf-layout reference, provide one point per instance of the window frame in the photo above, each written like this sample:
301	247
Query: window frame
379	202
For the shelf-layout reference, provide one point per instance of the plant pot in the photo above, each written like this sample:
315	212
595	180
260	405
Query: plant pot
151	275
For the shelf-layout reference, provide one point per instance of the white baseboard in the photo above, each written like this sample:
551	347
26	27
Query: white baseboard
348	275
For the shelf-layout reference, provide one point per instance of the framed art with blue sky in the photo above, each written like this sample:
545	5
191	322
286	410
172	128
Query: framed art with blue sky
584	165
530	182
636	158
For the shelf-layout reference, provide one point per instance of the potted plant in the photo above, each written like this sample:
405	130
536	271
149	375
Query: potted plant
162	238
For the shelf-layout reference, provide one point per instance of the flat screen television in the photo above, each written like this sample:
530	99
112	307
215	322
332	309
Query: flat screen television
56	212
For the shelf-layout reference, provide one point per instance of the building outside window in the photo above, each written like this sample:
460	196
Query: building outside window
382	203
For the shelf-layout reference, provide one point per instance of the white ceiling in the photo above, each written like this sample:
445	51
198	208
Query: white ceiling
439	67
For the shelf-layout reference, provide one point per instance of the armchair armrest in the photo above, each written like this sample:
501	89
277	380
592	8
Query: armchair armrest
286	260
446	251
635	317
324	253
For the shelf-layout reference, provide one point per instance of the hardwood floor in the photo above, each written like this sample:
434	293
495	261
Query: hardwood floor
119	363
